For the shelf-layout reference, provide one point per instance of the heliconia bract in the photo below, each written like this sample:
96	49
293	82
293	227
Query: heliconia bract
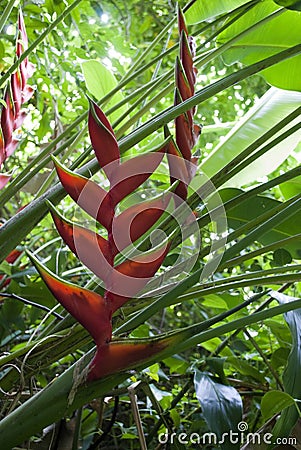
16	94
124	279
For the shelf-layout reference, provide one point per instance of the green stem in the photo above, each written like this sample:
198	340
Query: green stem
194	336
153	85
265	359
15	229
154	100
268	248
195	277
171	113
57	399
6	13
40	39
218	51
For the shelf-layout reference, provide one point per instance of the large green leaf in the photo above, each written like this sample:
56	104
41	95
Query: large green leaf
273	106
204	9
274	402
221	407
290	4
291	375
267	39
100	81
253	208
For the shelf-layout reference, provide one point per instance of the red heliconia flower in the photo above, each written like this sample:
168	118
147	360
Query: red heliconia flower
124	279
187	132
17	92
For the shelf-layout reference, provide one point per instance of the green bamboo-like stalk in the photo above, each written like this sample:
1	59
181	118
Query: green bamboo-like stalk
6	13
284	211
61	397
40	39
14	230
265	249
44	156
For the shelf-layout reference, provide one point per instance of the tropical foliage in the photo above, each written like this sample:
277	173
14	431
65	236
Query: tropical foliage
170	168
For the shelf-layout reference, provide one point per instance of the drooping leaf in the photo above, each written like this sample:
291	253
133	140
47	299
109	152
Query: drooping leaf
87	194
273	402
266	40
291	374
273	106
103	140
87	307
221	407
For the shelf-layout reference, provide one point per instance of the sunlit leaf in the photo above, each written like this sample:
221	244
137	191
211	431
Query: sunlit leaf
100	81
273	106
266	40
273	402
204	10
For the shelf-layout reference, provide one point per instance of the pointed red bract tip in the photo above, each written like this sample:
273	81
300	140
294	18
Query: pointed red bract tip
186	58
87	194
129	277
120	356
181	22
87	307
91	248
103	140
